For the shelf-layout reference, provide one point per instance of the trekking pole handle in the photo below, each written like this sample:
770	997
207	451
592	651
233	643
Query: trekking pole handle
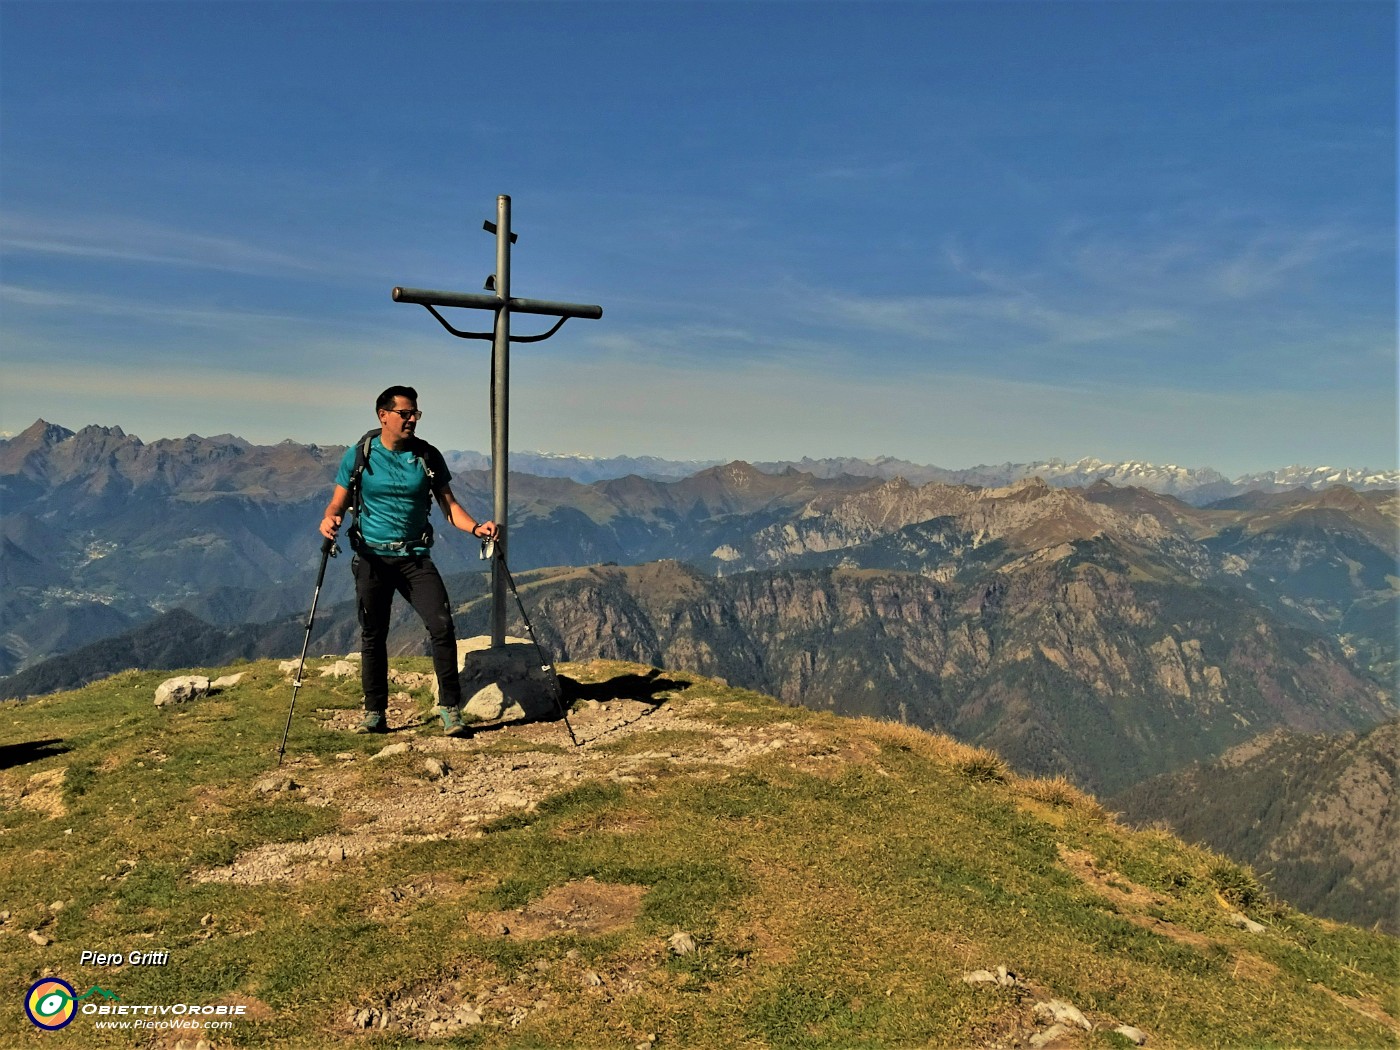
329	549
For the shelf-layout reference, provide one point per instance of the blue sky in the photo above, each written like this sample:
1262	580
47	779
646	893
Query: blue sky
956	233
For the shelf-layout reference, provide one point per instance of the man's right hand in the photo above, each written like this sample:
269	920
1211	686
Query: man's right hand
330	525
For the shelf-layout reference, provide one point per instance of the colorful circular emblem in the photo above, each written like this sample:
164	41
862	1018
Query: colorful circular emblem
51	1004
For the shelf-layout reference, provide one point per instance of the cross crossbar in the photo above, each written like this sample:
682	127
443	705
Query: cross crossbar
475	301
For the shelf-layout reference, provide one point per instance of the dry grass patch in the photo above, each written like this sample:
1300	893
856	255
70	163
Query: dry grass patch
1060	793
975	763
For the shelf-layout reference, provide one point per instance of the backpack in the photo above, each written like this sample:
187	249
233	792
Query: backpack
427	455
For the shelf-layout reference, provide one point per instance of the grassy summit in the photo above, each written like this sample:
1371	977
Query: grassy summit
836	880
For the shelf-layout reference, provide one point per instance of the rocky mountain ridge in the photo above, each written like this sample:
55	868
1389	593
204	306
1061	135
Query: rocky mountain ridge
107	530
1196	485
1315	813
1067	667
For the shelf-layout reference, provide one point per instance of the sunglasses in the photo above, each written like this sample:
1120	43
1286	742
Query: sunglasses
405	413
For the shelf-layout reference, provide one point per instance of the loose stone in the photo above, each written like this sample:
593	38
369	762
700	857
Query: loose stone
1059	1010
1050	1035
181	690
1245	923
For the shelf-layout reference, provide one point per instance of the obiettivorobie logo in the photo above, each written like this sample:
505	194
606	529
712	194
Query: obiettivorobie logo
52	1004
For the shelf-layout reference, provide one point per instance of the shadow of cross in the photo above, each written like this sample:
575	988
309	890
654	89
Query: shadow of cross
645	688
21	754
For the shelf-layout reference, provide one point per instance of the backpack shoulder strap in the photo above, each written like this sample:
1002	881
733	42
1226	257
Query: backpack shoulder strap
433	464
361	465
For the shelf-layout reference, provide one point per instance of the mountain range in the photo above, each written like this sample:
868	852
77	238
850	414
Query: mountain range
1195	485
101	531
1101	632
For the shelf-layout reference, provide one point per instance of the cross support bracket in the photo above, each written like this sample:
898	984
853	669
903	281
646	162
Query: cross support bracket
431	300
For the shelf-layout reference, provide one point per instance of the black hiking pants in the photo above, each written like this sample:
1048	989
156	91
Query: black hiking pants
377	580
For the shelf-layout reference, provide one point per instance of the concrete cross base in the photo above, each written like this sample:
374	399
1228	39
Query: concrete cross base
507	684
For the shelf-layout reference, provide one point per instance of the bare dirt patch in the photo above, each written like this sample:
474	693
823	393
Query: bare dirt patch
403	713
426	787
43	793
586	907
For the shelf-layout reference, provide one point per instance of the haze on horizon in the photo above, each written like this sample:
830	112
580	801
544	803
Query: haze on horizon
951	233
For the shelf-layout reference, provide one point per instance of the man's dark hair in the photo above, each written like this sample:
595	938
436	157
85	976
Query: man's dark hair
386	399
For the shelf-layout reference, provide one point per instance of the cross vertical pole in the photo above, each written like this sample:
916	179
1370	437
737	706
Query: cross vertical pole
500	420
502	305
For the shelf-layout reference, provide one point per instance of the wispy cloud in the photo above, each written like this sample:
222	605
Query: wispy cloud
89	304
1206	258
115	239
993	320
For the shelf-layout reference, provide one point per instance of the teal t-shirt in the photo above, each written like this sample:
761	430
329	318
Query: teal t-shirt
394	498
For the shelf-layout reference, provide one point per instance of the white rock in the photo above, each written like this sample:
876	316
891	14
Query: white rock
288	666
682	943
227	681
468	1015
339	669
1059	1010
1050	1035
393	749
488	704
1136	1036
38	938
1244	922
436	768
980	977
275	783
181	690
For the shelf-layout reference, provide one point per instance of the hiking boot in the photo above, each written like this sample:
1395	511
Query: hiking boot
373	722
452	724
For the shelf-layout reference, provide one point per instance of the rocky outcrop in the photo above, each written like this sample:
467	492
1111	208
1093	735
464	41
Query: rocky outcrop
1066	667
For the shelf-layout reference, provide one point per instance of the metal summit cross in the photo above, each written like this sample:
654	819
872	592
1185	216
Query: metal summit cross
503	306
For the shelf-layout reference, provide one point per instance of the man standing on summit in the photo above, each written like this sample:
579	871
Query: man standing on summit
389	480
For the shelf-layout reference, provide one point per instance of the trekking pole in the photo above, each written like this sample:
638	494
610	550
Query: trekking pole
329	550
490	549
